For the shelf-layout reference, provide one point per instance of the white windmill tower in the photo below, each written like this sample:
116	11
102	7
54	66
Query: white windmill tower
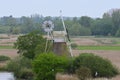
61	40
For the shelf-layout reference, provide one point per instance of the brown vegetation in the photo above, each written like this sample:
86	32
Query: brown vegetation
65	77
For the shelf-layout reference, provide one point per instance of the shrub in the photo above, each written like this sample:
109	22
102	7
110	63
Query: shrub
26	74
46	66
13	66
83	73
4	58
2	68
73	45
103	67
17	65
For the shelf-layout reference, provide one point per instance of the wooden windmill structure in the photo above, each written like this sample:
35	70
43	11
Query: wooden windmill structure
60	39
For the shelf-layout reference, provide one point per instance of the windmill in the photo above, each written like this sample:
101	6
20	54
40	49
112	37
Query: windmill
61	40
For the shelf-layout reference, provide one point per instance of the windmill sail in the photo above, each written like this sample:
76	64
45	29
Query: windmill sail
48	27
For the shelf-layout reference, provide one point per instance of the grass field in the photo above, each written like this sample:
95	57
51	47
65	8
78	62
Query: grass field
98	47
6	47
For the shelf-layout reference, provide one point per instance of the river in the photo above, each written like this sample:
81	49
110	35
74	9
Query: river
6	76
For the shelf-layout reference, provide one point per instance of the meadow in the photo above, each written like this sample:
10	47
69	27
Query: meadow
98	47
105	47
6	47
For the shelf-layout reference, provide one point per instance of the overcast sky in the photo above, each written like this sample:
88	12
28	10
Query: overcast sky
72	8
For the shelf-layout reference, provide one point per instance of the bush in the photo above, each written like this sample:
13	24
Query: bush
26	74
4	58
46	66
2	68
13	66
17	65
103	67
74	45
83	73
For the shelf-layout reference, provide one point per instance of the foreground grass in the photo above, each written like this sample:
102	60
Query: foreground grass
98	47
6	47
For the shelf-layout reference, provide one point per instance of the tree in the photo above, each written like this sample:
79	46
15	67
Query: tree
46	66
57	24
36	18
14	30
114	14
85	21
84	31
27	44
117	33
8	21
27	24
75	19
102	27
74	29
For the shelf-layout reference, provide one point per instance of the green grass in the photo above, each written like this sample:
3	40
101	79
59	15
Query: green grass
6	47
98	47
4	29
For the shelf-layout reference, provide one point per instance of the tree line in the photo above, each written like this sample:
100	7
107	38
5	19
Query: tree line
108	25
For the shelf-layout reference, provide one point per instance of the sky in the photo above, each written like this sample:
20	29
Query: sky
70	8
